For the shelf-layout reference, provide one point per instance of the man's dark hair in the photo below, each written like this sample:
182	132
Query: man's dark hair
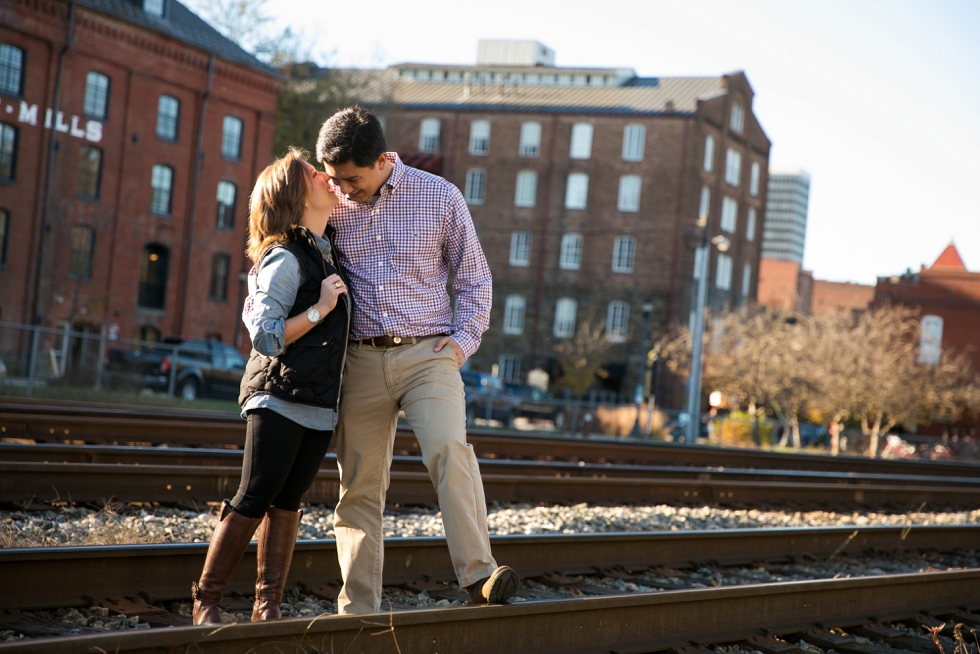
351	134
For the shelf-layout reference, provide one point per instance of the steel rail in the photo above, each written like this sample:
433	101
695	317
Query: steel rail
55	577
121	425
187	456
639	622
23	482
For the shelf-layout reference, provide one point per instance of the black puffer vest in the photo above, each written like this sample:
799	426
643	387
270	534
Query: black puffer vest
310	371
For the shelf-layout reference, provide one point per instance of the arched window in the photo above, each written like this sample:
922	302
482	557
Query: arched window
624	254
96	96
514	314
565	309
429	135
634	137
476	186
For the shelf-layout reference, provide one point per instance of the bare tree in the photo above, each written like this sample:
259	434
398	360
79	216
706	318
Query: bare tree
582	355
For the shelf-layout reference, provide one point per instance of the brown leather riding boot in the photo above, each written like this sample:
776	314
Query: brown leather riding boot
277	537
228	543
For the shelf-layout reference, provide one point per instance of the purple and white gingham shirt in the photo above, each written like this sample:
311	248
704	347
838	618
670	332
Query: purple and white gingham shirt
398	253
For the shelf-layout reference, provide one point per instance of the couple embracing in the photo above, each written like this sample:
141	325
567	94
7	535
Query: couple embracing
351	323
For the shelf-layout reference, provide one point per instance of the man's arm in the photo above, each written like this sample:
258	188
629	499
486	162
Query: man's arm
472	283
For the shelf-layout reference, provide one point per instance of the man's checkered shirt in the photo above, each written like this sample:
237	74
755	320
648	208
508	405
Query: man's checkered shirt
398	253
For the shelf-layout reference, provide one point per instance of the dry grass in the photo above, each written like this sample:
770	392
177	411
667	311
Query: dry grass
105	527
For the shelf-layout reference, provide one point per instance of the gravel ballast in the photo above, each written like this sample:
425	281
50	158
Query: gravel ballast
125	524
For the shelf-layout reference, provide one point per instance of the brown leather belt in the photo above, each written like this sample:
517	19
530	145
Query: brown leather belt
390	341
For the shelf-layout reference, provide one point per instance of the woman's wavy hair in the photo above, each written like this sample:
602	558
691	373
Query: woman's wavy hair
277	202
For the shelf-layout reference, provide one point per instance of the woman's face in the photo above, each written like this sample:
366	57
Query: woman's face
319	195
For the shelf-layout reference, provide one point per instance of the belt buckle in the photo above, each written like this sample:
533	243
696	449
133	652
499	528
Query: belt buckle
396	340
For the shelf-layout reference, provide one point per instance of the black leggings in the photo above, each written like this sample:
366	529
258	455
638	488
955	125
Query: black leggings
281	462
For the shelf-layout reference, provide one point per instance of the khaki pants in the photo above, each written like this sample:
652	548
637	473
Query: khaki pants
427	386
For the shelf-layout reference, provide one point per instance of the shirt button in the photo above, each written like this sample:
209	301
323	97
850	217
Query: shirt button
381	288
378	238
384	313
379	263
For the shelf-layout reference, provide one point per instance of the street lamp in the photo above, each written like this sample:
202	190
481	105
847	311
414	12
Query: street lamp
641	375
694	383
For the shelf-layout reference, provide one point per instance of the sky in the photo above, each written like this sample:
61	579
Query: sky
879	101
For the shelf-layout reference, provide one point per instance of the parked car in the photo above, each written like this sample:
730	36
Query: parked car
535	405
203	368
486	399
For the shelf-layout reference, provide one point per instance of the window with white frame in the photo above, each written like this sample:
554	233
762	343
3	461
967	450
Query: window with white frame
480	137
168	117
634	137
476	186
930	339
617	321
570	257
746	279
698	262
733	167
577	191
565	309
96	96
709	153
520	248
514	314
754	179
530	139
231	138
750	226
723	274
527	186
581	141
705	205
11	69
509	367
729	214
226	205
629	193
161	182
429	135
737	122
624	254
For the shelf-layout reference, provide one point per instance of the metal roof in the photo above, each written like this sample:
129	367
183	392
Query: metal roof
646	96
182	24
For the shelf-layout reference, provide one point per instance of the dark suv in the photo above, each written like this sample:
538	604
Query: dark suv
203	368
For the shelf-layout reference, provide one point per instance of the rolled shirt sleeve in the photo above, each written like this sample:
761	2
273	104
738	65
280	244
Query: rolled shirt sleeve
272	287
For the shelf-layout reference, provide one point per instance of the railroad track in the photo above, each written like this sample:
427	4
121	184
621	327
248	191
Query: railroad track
108	425
88	474
639	622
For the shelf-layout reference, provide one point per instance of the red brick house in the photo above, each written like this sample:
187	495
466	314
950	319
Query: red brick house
134	216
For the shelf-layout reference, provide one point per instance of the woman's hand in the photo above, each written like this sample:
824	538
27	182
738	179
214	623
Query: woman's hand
331	289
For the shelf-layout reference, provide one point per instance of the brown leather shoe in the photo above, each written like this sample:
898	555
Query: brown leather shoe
277	537
228	543
495	589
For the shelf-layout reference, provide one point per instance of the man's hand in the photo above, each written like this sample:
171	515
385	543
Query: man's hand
457	350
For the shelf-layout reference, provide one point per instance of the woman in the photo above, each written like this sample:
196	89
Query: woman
290	392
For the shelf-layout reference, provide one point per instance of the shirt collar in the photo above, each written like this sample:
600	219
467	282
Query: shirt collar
397	173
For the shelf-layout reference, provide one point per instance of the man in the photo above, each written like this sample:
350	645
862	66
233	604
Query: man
400	232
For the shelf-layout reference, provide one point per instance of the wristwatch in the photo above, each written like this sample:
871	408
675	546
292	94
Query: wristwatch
313	315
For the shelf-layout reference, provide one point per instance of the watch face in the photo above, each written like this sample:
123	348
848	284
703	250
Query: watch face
312	315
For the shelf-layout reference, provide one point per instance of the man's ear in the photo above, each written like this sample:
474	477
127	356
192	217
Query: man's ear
382	161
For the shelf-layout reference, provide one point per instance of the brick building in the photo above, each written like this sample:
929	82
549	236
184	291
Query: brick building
947	297
840	298
160	125
585	185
